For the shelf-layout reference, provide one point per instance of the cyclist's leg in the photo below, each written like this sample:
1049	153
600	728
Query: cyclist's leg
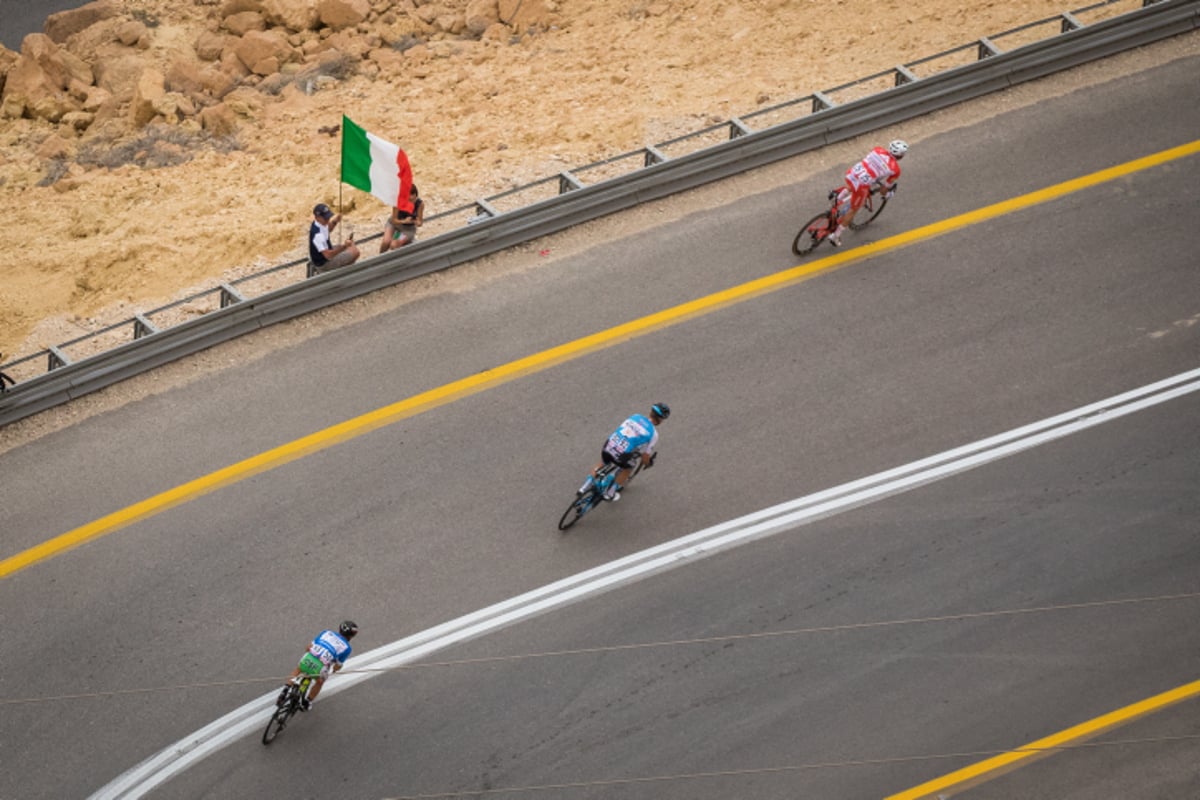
621	479
311	666
290	680
591	478
606	458
858	196
628	466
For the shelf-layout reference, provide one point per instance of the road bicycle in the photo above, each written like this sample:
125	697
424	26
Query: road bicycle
296	689
598	483
818	229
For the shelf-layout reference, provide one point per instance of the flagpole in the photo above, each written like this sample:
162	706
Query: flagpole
341	183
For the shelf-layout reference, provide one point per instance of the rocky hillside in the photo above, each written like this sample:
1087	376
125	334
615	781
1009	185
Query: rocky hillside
152	146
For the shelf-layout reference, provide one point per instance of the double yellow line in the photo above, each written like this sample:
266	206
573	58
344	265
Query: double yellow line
547	358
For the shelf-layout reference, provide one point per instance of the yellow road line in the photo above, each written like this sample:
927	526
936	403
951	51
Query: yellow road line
556	355
1005	762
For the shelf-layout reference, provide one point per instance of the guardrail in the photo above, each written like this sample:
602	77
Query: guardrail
488	225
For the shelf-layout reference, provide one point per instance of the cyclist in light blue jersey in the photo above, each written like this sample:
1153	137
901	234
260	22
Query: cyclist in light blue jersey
327	653
636	437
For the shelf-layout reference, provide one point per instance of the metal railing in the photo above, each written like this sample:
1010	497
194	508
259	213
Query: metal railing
575	195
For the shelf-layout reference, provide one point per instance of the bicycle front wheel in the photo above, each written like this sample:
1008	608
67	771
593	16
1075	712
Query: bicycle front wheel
870	210
811	235
579	507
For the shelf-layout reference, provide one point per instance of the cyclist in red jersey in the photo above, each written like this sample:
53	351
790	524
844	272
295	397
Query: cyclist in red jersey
880	166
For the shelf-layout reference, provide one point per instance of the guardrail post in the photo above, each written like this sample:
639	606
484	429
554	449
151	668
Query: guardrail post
905	75
987	49
485	209
230	295
142	326
821	102
1069	23
738	128
568	182
653	156
56	358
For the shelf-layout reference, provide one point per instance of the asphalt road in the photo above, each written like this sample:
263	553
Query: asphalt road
23	17
878	364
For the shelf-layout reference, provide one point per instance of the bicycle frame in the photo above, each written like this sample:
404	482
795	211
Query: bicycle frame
821	227
601	480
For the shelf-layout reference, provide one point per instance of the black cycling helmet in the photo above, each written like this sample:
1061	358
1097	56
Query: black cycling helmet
660	410
348	629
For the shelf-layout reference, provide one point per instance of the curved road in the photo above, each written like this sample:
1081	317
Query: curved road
881	362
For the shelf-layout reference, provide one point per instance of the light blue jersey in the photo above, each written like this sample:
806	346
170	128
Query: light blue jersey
330	647
635	435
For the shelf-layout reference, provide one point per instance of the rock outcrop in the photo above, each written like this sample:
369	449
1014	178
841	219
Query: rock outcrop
97	63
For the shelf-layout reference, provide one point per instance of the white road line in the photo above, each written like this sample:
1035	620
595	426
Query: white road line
253	716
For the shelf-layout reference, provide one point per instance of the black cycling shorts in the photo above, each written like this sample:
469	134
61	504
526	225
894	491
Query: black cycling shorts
622	461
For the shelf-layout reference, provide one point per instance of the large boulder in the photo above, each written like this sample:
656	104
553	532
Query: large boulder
118	71
77	121
148	97
295	15
64	24
523	15
59	65
93	43
429	12
185	76
8	59
95	99
392	63
36	84
481	15
132	33
229	7
218	120
50	107
209	46
262	52
241	23
54	147
339	14
218	82
349	43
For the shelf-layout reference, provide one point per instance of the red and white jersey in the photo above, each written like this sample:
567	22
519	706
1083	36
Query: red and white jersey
879	165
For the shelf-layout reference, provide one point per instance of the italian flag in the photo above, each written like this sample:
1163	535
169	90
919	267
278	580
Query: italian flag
376	166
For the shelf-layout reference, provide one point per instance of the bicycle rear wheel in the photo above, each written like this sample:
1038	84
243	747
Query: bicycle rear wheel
869	211
278	722
811	235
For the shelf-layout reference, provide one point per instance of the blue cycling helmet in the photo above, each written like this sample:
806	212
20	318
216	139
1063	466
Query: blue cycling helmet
660	410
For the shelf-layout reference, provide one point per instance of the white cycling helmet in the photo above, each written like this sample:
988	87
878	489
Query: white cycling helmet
898	147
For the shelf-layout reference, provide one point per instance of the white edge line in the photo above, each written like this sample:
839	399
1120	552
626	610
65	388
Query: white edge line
174	759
